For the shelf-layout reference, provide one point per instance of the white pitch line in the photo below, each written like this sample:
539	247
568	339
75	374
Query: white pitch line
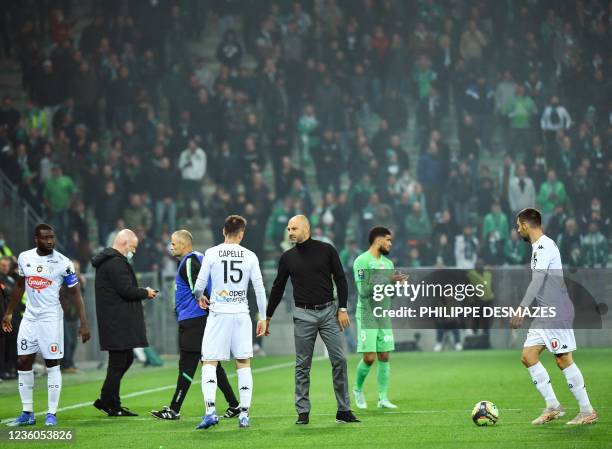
169	387
397	412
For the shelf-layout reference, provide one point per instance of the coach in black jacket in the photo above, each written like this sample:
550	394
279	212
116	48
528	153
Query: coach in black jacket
120	316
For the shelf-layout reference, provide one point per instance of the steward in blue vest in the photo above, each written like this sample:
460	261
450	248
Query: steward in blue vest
185	305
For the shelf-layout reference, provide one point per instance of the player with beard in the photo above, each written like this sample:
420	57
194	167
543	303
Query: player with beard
548	288
374	343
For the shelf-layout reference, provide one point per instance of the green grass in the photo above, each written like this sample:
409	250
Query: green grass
435	393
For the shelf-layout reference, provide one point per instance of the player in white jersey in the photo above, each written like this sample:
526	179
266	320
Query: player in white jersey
548	288
42	271
229	327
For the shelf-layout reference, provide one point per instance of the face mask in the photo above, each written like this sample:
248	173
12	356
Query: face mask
129	255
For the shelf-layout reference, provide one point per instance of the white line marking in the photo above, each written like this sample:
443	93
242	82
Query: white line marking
197	419
169	387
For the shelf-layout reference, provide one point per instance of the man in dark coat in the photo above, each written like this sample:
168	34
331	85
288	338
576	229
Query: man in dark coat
121	323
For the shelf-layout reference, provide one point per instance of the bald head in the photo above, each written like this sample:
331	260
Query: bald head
299	229
125	242
181	243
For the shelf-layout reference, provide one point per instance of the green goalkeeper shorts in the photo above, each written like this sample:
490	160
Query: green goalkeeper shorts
374	340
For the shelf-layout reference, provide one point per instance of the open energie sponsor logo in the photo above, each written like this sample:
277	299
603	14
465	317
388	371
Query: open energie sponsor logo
230	296
38	283
222	296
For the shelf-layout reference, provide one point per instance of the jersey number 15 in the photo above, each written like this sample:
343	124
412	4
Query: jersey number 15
235	274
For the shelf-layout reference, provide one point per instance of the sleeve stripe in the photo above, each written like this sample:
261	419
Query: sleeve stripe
188	269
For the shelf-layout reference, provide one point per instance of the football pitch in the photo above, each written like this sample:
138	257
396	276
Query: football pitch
435	393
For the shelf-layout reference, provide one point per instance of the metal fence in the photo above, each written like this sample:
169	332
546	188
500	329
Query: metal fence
18	219
162	327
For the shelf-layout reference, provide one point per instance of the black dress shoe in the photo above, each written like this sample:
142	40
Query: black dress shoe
103	407
346	417
302	419
122	411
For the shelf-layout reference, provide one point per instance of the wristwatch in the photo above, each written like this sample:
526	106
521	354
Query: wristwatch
342	309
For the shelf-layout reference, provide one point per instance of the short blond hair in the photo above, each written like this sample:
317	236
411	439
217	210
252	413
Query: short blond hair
184	235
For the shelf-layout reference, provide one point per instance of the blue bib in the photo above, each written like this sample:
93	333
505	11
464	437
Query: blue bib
185	304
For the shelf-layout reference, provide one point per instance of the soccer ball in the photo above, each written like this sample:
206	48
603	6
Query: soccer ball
485	413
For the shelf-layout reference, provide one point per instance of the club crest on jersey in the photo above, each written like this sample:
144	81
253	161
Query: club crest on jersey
554	343
37	283
39	269
53	348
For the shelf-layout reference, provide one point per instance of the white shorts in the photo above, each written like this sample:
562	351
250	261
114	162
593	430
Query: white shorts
225	333
46	337
557	341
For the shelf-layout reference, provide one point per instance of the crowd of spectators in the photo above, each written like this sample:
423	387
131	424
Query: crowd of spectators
307	110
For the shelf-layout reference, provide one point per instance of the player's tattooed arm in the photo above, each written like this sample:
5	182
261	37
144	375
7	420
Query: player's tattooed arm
75	292
16	295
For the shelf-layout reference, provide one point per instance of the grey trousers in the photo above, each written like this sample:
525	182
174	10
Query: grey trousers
306	325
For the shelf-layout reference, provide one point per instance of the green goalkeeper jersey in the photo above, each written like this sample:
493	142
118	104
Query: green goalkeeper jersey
366	274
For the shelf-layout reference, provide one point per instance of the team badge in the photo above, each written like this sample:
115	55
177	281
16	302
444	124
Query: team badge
554	343
39	269
53	348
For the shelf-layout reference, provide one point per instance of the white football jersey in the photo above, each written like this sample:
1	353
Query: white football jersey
231	267
44	276
546	261
545	255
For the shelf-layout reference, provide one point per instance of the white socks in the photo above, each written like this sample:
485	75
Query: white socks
26	389
245	388
209	387
575	382
541	380
54	388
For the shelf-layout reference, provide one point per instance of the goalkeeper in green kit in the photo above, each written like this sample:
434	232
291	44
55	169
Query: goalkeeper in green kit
374	341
